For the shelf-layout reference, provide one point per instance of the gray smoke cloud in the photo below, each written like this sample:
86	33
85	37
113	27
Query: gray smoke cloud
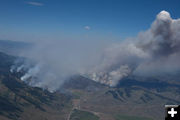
152	51
162	43
51	62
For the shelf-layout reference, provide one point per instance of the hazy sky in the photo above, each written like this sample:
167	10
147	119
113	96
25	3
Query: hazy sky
79	19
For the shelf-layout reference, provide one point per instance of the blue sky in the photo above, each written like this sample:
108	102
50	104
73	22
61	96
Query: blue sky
79	19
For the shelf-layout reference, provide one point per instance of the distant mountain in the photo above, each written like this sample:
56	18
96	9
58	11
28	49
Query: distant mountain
14	47
19	101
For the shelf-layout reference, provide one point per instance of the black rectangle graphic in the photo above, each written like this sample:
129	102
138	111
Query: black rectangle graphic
172	112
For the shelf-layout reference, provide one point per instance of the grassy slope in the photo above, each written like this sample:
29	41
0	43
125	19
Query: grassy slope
123	117
19	101
131	98
83	115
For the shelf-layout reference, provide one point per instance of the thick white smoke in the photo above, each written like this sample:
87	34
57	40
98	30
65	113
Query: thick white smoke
50	63
155	50
118	61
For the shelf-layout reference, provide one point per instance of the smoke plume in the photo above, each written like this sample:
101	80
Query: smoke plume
153	51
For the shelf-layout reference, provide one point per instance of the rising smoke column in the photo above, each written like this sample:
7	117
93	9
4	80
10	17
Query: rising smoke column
155	50
162	43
